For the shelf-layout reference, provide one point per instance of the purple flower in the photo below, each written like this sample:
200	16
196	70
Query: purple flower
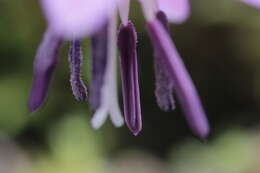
72	20
255	3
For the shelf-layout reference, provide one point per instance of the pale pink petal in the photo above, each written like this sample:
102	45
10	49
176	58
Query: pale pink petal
255	3
77	18
124	6
177	11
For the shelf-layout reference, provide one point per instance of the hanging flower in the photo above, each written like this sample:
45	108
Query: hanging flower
73	20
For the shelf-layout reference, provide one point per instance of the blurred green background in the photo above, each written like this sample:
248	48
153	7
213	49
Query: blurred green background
220	44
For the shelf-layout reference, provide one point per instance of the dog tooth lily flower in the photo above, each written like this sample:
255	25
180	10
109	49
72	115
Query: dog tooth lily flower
68	20
73	20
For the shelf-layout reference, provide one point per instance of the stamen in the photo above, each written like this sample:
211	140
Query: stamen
109	98
75	59
44	66
183	84
99	46
129	74
164	83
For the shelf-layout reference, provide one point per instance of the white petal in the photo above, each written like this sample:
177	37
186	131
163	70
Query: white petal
177	11
77	18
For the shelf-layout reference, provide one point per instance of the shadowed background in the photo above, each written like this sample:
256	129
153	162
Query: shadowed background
220	47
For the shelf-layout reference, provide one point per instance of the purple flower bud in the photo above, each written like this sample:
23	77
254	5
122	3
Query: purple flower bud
129	74
44	66
75	59
99	51
183	84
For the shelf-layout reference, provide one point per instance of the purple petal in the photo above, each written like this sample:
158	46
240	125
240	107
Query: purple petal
129	73
164	83
183	84
177	11
44	66
76	18
75	59
255	3
99	51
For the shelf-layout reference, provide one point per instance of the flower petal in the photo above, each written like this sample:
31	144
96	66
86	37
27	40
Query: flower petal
184	86
99	51
177	11
44	66
77	18
75	59
129	74
255	3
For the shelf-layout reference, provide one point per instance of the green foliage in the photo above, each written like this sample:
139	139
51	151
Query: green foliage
233	152
74	148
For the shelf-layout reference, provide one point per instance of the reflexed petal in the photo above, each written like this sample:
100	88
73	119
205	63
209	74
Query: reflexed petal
99	52
129	74
177	11
75	59
108	93
164	83
183	84
44	66
76	18
255	3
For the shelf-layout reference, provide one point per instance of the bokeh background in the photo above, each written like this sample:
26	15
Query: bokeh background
220	45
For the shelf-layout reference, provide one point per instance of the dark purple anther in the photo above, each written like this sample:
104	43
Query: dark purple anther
183	84
75	59
164	84
129	74
44	66
99	50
